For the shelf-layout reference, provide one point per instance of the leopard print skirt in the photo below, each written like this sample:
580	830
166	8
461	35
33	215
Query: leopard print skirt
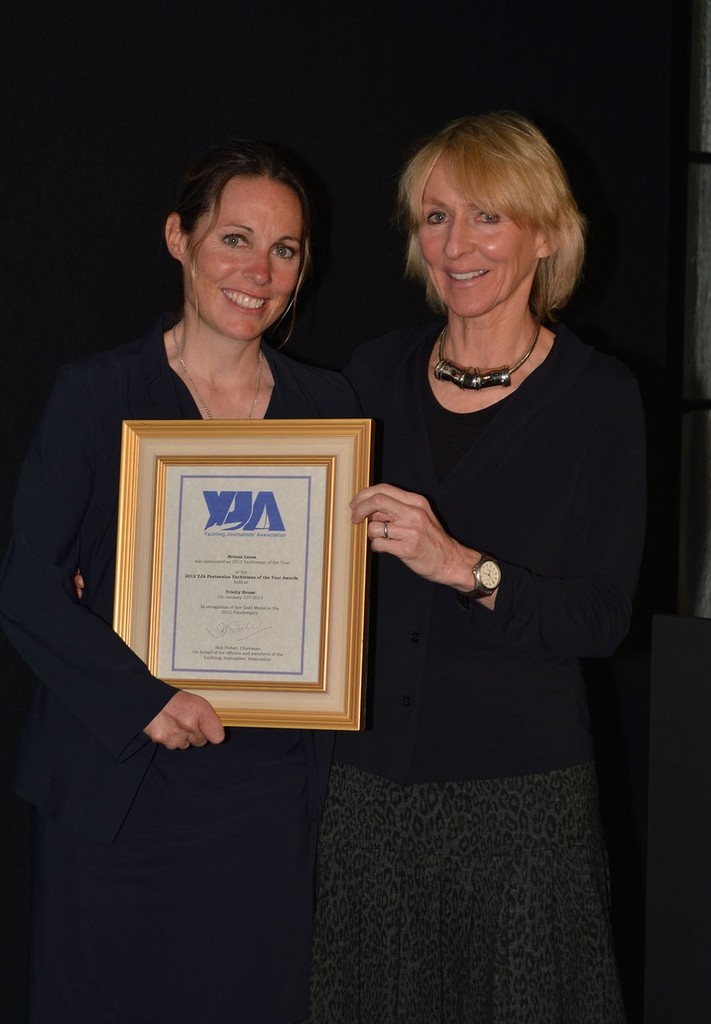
482	902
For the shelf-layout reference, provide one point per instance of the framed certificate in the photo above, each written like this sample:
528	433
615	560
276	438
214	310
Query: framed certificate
239	574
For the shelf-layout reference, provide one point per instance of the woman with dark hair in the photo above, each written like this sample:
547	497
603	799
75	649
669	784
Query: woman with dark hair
172	858
461	871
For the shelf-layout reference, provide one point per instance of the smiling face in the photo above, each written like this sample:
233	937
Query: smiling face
241	263
480	262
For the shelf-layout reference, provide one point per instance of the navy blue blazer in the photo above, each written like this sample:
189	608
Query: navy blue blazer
83	752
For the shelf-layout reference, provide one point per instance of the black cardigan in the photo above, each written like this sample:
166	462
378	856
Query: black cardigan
554	488
83	753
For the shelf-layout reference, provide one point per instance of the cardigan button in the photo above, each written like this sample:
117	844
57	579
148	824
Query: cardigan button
407	701
415	637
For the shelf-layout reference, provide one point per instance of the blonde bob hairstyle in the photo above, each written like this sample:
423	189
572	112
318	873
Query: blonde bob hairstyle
503	163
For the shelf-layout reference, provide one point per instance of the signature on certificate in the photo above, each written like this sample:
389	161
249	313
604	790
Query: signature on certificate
223	629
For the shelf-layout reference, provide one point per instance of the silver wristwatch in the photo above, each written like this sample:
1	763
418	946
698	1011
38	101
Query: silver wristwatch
487	577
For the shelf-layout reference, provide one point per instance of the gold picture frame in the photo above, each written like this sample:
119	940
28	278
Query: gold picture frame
239	574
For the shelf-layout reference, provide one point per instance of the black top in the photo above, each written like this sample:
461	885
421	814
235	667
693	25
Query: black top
554	488
83	752
449	433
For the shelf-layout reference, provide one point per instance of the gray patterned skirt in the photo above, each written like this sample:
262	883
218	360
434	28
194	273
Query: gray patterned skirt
482	902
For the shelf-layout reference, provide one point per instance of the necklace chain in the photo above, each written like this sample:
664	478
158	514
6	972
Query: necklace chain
474	379
196	390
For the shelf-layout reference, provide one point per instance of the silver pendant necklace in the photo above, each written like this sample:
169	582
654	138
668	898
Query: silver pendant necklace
474	379
196	390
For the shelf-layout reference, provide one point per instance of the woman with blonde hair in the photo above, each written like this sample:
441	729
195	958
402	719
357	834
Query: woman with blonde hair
462	871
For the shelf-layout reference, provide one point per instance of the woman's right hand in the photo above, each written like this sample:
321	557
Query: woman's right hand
403	524
187	720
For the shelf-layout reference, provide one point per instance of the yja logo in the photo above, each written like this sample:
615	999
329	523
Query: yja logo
235	510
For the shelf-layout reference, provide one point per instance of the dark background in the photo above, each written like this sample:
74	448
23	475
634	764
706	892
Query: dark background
104	105
678	980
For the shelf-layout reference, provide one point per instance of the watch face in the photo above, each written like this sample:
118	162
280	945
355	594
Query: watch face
490	574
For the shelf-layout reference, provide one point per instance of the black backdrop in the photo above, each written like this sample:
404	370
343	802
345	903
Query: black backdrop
103	105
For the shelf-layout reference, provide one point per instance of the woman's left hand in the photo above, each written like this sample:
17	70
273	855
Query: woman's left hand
403	524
